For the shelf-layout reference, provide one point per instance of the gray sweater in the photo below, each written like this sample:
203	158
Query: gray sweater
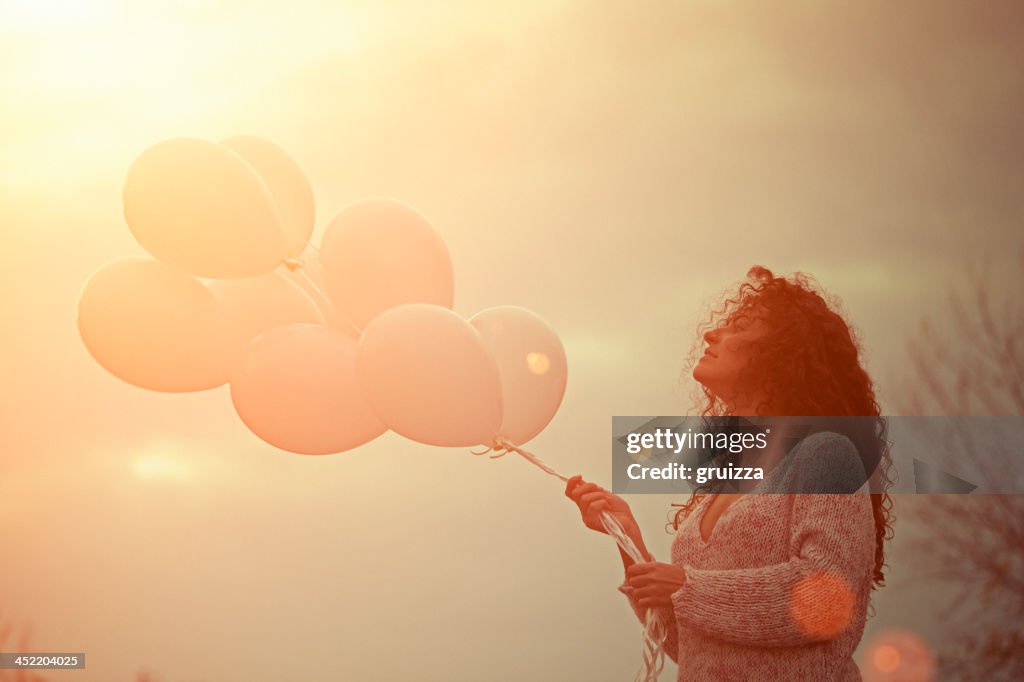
780	590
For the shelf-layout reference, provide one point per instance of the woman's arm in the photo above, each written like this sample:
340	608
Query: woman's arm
812	597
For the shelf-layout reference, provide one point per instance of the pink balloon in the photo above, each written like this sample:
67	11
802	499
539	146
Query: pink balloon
297	390
533	368
255	304
428	375
154	326
379	253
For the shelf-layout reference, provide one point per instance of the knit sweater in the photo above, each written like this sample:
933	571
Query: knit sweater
780	589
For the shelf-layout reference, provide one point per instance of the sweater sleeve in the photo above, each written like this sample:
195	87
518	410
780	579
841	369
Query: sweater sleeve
667	616
813	596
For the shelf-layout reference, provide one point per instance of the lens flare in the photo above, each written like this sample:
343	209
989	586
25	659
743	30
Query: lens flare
898	656
539	363
822	604
886	658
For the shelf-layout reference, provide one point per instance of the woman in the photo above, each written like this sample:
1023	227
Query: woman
770	586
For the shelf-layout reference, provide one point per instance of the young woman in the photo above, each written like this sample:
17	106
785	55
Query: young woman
770	586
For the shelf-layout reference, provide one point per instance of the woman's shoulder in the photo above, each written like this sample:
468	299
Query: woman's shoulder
826	462
829	443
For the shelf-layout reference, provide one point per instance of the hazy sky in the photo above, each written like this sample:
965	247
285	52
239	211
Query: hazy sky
612	166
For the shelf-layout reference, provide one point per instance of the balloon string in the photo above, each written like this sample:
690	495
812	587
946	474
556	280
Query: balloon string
502	446
309	280
655	630
298	270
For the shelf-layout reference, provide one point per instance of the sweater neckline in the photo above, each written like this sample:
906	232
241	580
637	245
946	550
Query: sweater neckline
753	491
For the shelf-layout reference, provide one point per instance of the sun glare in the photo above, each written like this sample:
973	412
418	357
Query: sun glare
157	465
41	14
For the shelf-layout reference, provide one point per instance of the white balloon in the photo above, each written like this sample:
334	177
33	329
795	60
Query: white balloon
533	368
154	326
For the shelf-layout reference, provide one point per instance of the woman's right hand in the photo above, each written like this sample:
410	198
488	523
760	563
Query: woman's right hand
592	500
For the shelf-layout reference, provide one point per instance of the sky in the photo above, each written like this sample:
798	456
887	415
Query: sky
613	167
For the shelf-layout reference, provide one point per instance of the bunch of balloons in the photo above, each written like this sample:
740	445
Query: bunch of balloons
324	349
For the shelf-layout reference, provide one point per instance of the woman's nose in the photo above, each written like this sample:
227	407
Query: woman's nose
711	336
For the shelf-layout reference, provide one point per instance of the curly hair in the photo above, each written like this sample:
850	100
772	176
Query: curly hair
824	379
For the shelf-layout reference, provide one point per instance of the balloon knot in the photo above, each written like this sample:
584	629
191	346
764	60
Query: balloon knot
500	447
292	264
497	446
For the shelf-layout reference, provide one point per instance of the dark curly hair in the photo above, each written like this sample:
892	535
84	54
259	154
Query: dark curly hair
825	379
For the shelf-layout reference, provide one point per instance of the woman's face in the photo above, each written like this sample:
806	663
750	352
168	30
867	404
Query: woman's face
725	358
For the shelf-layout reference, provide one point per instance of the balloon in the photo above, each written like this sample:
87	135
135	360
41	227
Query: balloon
309	276
379	253
428	375
201	207
288	185
531	361
332	318
255	304
296	389
154	326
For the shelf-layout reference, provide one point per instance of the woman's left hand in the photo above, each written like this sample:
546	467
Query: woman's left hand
655	582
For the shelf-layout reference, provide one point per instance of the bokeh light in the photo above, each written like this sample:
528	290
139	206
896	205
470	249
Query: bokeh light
158	465
886	658
898	656
822	604
539	363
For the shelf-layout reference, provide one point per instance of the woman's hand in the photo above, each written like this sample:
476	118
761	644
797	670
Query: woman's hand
654	583
592	500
